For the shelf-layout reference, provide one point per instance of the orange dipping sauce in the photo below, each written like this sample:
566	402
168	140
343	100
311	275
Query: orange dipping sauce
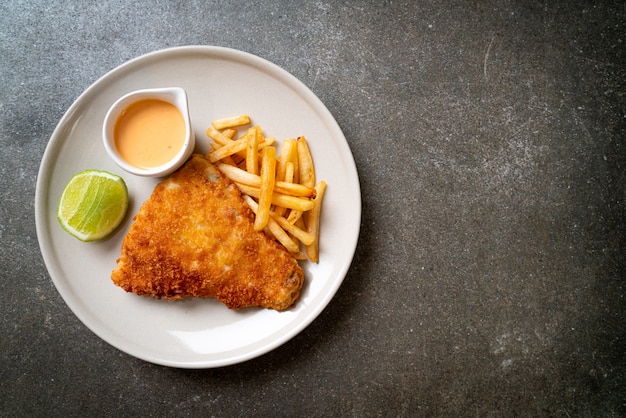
149	133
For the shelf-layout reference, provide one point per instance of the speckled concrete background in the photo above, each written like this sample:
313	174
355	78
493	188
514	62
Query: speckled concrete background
489	275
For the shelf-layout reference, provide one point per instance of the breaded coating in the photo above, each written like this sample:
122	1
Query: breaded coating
195	237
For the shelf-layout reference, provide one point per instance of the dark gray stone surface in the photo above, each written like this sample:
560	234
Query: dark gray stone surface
489	276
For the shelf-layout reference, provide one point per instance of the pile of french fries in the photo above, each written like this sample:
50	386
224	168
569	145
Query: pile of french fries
280	189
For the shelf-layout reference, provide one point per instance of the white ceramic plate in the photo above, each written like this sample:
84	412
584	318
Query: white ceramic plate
194	333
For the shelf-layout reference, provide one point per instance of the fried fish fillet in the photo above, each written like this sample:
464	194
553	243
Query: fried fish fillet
195	237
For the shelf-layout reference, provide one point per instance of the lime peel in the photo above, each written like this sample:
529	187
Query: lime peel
93	204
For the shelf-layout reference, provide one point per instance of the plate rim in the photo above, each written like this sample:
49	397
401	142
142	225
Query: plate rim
54	144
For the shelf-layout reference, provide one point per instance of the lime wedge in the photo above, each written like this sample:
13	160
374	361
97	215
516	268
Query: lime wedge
93	204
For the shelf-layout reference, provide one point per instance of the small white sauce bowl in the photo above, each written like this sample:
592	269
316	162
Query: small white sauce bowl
174	95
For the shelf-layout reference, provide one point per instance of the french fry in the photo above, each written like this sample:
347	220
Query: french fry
231	122
289	172
305	163
238	175
228	149
313	223
266	190
252	151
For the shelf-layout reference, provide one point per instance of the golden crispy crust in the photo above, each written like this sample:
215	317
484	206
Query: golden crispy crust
195	237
